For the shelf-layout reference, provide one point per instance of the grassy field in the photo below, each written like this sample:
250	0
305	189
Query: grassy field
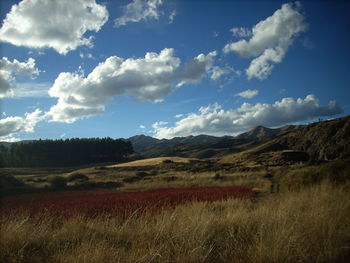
309	225
306	221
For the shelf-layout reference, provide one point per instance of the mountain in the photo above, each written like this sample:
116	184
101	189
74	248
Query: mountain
145	144
141	142
261	132
317	141
322	140
326	140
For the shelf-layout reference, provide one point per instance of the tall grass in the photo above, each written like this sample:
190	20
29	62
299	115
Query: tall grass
309	225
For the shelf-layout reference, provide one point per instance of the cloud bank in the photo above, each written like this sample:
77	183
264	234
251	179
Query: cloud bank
9	70
60	25
270	40
213	120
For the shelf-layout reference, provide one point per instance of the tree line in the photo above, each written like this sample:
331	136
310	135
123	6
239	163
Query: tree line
68	152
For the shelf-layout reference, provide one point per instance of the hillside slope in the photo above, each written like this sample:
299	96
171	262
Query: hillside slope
261	132
326	140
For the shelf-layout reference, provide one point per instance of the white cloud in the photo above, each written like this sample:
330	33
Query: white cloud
150	78
159	124
142	126
178	116
8	71
270	40
261	67
195	69
9	139
139	10
214	120
87	55
248	94
172	16
12	125
241	32
31	90
36	53
57	24
217	72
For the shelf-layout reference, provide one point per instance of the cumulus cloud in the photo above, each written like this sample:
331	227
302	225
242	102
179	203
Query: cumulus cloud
142	126
12	125
214	120
195	69
57	24
159	124
270	40
139	10
248	94
150	78
241	32
9	70
217	72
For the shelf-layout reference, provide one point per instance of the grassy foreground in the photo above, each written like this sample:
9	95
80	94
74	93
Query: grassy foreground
309	225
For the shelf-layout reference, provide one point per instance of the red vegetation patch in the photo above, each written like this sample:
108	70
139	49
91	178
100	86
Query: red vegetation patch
100	201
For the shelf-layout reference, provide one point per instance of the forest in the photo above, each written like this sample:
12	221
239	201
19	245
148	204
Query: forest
69	152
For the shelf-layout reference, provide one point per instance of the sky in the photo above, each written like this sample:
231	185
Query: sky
169	68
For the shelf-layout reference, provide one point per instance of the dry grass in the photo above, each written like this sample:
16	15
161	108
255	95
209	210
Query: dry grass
310	225
153	161
205	179
158	177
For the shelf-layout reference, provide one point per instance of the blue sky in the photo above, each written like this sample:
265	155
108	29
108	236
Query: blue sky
169	68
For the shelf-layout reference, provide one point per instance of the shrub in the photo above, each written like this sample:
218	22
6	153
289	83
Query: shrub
101	168
170	178
57	182
195	170
141	174
132	179
154	172
77	176
218	176
9	181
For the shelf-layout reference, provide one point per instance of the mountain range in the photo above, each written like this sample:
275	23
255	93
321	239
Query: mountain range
320	140
204	146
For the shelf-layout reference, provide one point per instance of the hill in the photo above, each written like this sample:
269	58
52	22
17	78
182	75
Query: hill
150	147
261	132
153	162
319	141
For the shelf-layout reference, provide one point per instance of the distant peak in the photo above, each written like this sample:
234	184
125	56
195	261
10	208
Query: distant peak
260	127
